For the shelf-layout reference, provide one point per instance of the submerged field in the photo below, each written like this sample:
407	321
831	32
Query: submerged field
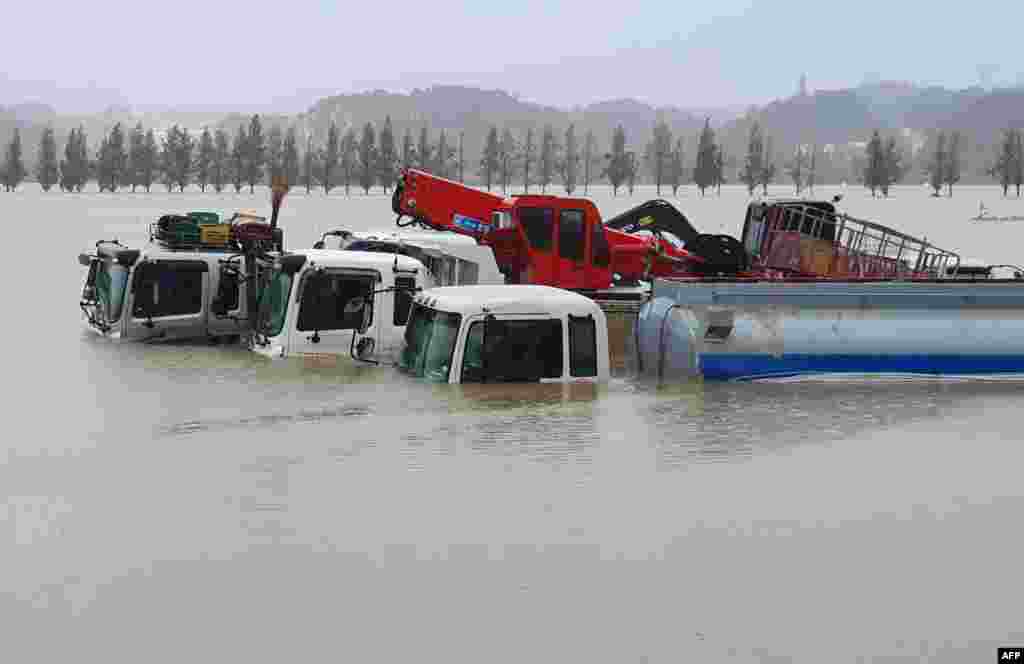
163	503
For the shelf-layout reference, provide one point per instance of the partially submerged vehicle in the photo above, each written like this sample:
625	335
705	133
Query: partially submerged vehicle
451	259
186	283
509	333
826	293
561	241
354	300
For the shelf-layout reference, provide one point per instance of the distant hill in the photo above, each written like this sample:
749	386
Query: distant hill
474	111
914	114
852	114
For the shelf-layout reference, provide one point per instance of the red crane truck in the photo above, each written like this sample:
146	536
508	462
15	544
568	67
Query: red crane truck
559	241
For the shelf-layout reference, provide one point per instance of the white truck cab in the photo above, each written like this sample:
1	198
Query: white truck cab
508	333
452	259
187	283
330	302
160	293
351	294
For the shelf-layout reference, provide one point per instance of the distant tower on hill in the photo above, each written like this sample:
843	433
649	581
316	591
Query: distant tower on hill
803	85
985	74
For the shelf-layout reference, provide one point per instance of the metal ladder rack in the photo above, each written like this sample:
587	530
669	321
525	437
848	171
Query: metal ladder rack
853	247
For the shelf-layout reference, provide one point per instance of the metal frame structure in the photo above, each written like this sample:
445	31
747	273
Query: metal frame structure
876	250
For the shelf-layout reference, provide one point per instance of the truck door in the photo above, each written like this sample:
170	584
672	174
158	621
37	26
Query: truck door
599	255
168	299
334	305
538	225
227	315
571	260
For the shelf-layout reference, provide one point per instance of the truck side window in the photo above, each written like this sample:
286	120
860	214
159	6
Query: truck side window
582	346
109	284
473	356
169	289
539	225
570	234
522	350
469	273
227	290
599	243
325	302
403	299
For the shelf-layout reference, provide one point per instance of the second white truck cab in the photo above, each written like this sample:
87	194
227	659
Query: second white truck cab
508	333
345	303
452	259
351	294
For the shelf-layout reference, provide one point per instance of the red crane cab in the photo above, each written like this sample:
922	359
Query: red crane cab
543	240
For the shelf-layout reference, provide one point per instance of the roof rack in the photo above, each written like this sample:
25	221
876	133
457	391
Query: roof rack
204	231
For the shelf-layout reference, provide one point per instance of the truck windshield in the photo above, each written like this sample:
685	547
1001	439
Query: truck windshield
429	343
274	303
111	279
513	351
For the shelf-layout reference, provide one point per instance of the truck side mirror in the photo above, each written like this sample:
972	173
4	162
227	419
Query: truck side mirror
367	314
85	260
364	349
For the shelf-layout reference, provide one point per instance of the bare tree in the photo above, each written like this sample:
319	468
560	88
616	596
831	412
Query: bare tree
951	173
490	161
797	167
527	159
570	164
509	158
658	154
589	154
812	168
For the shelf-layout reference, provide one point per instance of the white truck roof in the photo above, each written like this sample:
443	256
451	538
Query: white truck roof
359	259
421	238
508	299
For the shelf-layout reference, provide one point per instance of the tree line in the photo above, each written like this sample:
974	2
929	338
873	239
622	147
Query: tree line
1008	168
543	160
135	159
535	158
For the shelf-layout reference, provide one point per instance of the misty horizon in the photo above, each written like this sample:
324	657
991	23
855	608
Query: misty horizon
660	54
302	101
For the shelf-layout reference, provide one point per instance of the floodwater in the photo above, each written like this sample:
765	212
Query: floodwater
182	503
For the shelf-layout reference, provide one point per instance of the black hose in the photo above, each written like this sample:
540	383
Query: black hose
396	198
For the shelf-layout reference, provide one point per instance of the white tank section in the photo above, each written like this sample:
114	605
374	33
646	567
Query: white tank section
748	331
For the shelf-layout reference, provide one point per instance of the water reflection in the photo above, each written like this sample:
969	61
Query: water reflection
518	396
707	422
265	507
263	421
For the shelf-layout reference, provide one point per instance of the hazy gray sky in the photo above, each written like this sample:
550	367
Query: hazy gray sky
219	53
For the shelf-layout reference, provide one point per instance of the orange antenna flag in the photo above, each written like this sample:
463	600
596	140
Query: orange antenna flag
278	188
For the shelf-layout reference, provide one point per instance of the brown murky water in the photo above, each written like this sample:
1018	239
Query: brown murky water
180	503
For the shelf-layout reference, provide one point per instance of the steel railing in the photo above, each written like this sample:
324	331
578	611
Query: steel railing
859	248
